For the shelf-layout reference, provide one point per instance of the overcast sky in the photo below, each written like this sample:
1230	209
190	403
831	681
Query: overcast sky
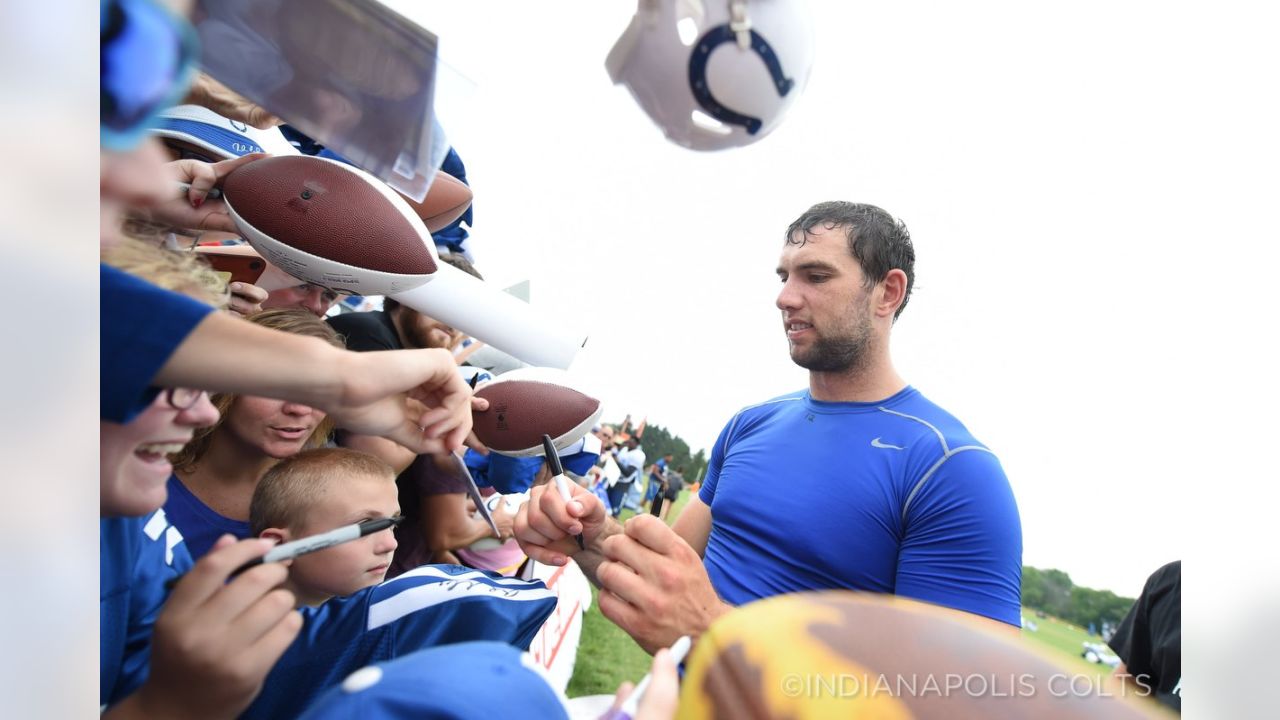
1039	156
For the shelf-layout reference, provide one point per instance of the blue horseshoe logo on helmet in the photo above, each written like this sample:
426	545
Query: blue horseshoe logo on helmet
714	38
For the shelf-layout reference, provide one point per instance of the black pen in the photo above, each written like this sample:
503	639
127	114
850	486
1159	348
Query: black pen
656	507
474	491
562	482
292	549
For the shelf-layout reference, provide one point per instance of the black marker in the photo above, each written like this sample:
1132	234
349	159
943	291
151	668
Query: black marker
474	491
291	550
656	507
562	482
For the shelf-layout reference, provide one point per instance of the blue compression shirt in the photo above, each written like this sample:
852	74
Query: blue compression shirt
893	496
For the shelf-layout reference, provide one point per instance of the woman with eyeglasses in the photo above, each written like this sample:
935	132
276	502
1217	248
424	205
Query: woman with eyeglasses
135	455
216	473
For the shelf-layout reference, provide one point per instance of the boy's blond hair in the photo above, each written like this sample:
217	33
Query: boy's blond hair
286	494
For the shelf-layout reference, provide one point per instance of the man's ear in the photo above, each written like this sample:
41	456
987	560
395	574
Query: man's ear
893	293
280	535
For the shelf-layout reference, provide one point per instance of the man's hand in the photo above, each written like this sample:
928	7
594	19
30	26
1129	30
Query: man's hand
246	299
654	586
437	417
215	641
228	103
545	525
195	210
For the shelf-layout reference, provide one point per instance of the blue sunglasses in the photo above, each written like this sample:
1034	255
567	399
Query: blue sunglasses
148	58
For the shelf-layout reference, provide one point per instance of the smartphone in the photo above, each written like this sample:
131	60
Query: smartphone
233	264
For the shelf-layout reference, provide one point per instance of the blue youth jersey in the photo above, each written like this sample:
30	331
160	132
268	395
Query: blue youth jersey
892	497
426	607
137	556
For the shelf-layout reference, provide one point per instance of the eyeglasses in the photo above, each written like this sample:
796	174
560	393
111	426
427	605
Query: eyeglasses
148	57
182	398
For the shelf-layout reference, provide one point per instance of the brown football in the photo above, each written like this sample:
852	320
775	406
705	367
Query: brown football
446	200
328	209
526	404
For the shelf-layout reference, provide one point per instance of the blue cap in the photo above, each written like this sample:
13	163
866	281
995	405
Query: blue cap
222	137
463	680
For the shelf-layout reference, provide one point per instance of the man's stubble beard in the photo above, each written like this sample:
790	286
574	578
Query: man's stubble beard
848	352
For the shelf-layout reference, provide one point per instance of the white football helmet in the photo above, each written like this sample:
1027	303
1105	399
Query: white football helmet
715	74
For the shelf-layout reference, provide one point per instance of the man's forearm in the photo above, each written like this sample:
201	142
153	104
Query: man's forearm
228	354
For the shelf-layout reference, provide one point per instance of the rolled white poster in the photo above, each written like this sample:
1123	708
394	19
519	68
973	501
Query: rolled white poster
494	317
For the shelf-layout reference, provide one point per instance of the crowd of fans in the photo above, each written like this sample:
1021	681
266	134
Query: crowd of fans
237	417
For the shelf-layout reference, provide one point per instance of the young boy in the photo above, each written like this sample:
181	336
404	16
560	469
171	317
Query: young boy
320	490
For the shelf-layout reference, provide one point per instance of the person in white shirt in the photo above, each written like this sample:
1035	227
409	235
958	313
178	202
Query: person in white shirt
631	463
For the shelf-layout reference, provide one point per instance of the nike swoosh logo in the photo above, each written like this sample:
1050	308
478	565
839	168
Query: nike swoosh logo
877	444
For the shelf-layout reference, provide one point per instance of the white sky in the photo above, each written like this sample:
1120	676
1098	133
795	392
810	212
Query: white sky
1040	156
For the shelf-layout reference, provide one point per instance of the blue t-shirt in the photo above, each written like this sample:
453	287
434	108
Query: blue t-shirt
660	466
200	525
141	327
892	497
136	557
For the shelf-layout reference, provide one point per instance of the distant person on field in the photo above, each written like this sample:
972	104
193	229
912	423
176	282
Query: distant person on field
671	490
630	461
657	478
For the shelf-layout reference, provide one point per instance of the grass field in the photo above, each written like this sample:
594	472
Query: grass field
1062	638
607	656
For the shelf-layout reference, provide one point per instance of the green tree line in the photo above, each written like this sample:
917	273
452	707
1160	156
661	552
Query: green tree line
1053	592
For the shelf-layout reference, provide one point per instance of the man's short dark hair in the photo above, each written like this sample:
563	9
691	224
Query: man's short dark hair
458	261
877	240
